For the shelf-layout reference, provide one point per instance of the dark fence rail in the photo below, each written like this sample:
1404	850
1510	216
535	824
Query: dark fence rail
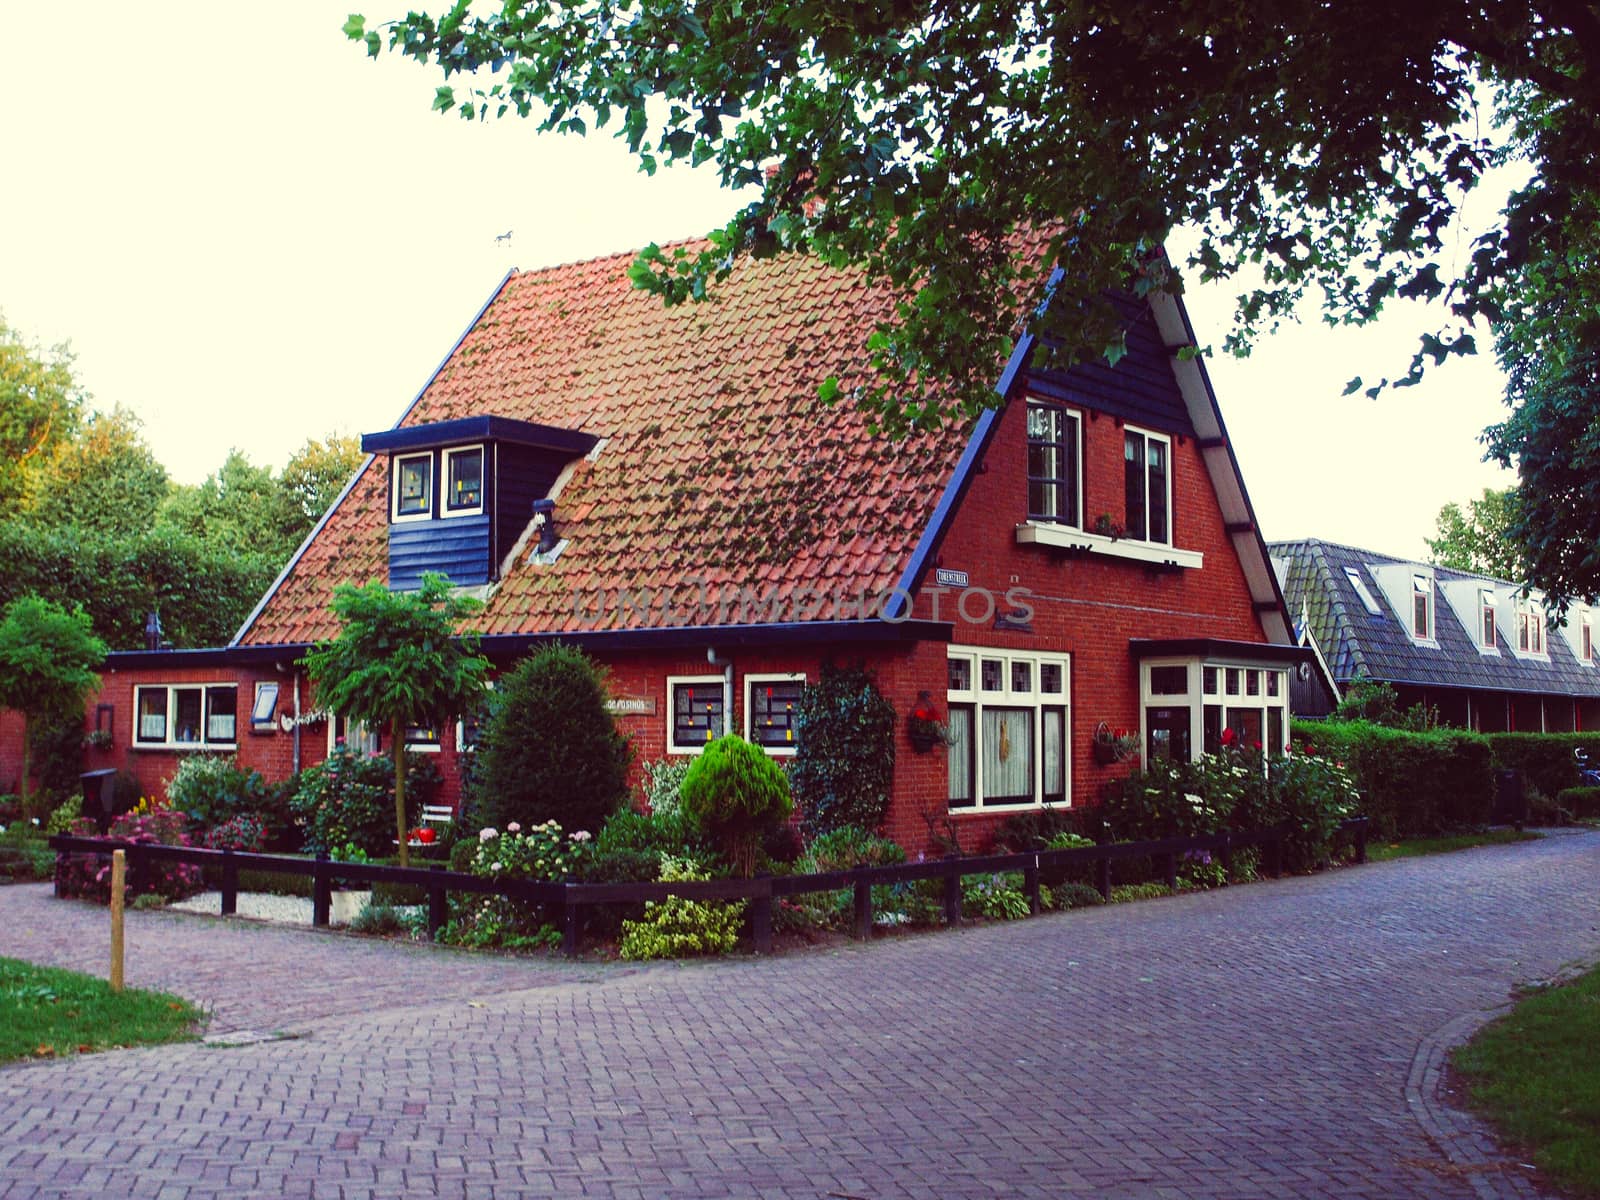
570	899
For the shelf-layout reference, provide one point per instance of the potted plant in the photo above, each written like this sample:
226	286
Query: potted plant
923	726
1114	745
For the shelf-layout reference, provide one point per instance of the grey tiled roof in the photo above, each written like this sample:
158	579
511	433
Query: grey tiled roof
1358	642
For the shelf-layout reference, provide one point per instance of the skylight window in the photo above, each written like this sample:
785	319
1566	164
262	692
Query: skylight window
1365	595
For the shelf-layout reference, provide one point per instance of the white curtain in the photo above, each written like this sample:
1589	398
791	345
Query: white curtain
1007	755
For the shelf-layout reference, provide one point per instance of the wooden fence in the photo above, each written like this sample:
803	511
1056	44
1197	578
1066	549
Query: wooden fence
570	899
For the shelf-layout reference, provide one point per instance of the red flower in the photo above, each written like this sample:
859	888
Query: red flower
1229	737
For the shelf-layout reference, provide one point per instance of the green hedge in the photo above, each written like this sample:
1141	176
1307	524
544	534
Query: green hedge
1581	802
1412	784
1545	759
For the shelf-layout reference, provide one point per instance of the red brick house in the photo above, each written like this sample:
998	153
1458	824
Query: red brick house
1082	561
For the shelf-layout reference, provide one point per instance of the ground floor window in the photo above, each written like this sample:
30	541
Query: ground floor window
1200	706
695	712
772	710
186	716
1008	741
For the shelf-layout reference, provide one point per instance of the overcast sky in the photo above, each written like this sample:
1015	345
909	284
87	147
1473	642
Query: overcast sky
252	234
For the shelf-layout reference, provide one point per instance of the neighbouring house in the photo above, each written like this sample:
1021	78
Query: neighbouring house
661	487
1477	649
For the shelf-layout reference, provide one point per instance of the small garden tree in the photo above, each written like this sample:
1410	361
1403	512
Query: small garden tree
399	661
551	750
48	658
844	765
736	794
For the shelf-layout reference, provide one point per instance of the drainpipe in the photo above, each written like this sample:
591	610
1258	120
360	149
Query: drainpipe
727	687
294	681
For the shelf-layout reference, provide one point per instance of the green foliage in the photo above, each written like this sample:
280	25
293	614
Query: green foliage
653	833
842	849
349	798
663	784
1077	895
1130	892
1379	704
1582	802
543	853
48	1013
737	794
676	927
1479	539
1411	783
105	480
1534	1074
1038	829
551	751
210	789
68	811
849	846
397	662
1545	759
997	897
239	505
379	920
245	832
48	658
24	852
41	406
844	765
317	472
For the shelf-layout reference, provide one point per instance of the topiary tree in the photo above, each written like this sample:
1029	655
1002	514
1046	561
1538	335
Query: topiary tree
844	765
551	750
398	661
48	658
737	795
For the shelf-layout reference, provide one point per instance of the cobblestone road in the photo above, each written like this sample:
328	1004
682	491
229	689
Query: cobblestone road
1278	1040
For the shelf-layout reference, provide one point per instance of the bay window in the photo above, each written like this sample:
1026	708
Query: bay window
1008	744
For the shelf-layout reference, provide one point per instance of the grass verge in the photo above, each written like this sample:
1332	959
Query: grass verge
49	1013
1416	847
1535	1075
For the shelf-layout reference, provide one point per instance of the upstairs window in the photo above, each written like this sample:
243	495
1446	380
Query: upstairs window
463	481
1054	435
1586	638
1487	607
1530	629
1147	487
1422	606
413	487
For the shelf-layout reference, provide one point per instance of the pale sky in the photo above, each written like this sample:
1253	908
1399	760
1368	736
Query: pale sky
252	234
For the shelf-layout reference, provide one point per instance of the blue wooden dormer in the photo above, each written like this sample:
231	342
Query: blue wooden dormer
461	492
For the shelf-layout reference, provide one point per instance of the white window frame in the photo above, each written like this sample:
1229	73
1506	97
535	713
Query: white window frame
1422	588
788	749
1363	592
1007	698
671	706
1488	620
1075	416
1150	435
396	517
1532	635
1197	698
356	735
168	743
446	512
433	747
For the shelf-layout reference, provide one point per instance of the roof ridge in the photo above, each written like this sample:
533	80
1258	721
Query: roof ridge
593	259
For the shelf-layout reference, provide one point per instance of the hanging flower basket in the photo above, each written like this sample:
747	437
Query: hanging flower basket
1114	745
923	726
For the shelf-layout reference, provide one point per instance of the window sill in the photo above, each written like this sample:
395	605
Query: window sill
1011	807
1065	537
184	747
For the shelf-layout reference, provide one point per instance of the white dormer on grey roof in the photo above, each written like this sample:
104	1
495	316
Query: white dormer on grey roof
1410	589
1580	633
1476	604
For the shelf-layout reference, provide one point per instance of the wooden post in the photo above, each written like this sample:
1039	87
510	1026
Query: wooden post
952	897
1102	877
119	880
321	890
761	917
438	909
230	884
1030	884
863	923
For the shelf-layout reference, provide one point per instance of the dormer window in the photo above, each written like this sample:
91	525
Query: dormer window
1422	607
413	487
1586	637
1487	607
463	481
1530	629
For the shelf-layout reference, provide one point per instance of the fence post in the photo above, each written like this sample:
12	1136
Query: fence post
952	896
1172	870
863	925
570	912
321	889
1102	876
1227	858
761	916
1275	852
1030	884
230	884
438	909
119	876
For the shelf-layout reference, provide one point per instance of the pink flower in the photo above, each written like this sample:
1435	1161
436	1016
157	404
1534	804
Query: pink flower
513	827
488	833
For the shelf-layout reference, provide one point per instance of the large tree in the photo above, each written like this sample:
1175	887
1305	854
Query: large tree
40	407
1316	147
1479	537
48	657
397	662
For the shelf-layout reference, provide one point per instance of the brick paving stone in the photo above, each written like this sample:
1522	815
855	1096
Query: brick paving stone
1281	1039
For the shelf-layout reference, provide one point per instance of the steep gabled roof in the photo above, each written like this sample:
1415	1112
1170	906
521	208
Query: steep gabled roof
1376	645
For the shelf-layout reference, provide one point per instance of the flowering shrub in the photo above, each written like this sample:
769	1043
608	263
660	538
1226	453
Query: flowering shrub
998	897
349	797
675	927
1311	796
1201	869
543	853
88	876
244	832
